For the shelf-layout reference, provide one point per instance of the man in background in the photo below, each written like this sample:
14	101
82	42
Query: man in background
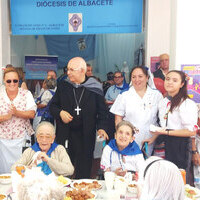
89	71
164	67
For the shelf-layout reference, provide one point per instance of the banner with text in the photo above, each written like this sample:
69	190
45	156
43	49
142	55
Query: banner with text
36	67
61	17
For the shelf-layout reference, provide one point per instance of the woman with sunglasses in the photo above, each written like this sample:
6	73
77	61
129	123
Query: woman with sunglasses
17	106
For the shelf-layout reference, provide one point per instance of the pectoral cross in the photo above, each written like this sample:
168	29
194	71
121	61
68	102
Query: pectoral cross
77	109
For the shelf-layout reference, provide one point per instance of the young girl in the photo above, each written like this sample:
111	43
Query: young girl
178	118
122	154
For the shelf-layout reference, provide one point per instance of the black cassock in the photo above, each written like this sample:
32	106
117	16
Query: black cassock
81	132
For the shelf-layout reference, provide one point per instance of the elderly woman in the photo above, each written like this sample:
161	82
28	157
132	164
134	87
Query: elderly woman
17	106
161	180
45	153
138	105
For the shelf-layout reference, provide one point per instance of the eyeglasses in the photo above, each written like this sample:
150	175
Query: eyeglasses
44	137
14	81
117	76
72	70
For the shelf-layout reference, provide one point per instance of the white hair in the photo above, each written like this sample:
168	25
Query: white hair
161	180
45	123
37	186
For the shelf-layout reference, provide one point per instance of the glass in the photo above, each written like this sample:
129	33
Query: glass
72	70
44	137
14	81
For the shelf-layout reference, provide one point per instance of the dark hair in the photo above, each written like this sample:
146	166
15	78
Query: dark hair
118	72
110	76
182	94
143	68
64	69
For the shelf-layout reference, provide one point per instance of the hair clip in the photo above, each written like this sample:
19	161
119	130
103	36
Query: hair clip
187	78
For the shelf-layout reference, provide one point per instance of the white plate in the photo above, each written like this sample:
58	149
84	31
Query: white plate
86	181
4	195
70	189
197	191
5	180
66	179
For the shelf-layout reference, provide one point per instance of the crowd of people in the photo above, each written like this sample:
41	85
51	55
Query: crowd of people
127	115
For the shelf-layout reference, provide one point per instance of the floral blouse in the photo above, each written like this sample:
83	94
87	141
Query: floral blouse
16	127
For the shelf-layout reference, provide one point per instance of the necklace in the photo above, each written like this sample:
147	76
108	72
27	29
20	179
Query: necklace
77	109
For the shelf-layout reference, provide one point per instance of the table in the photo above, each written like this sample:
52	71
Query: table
101	194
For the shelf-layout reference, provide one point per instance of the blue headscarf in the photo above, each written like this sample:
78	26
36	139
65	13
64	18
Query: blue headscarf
44	167
130	150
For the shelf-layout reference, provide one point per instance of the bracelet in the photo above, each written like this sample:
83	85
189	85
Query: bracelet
194	152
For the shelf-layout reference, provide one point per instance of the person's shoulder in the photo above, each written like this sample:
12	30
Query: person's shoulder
60	148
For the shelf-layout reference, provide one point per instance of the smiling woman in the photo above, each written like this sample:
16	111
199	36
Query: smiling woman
138	105
17	106
45	153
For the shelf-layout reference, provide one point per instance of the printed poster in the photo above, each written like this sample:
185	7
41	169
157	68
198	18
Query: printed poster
193	71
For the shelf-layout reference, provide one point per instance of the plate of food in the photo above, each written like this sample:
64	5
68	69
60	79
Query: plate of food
3	196
86	184
73	194
192	192
64	180
5	179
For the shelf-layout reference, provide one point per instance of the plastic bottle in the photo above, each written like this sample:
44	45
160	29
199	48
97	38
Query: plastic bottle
125	69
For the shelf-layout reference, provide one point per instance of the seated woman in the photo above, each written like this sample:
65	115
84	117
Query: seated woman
45	153
122	154
161	180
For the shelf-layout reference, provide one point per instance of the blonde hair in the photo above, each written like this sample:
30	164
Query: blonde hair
8	70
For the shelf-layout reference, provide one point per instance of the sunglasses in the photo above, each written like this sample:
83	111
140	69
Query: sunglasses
14	81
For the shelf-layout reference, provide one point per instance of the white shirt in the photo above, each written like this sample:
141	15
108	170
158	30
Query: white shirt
141	112
183	117
113	160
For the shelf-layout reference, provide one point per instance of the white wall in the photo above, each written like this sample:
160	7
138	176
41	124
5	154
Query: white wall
4	36
187	33
157	28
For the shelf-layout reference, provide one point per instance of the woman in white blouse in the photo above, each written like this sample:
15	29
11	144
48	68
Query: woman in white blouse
138	105
178	119
17	106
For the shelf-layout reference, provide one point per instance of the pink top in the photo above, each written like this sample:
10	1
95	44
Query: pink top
16	127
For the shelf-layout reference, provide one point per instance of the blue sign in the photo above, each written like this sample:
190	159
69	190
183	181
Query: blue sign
61	17
36	67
